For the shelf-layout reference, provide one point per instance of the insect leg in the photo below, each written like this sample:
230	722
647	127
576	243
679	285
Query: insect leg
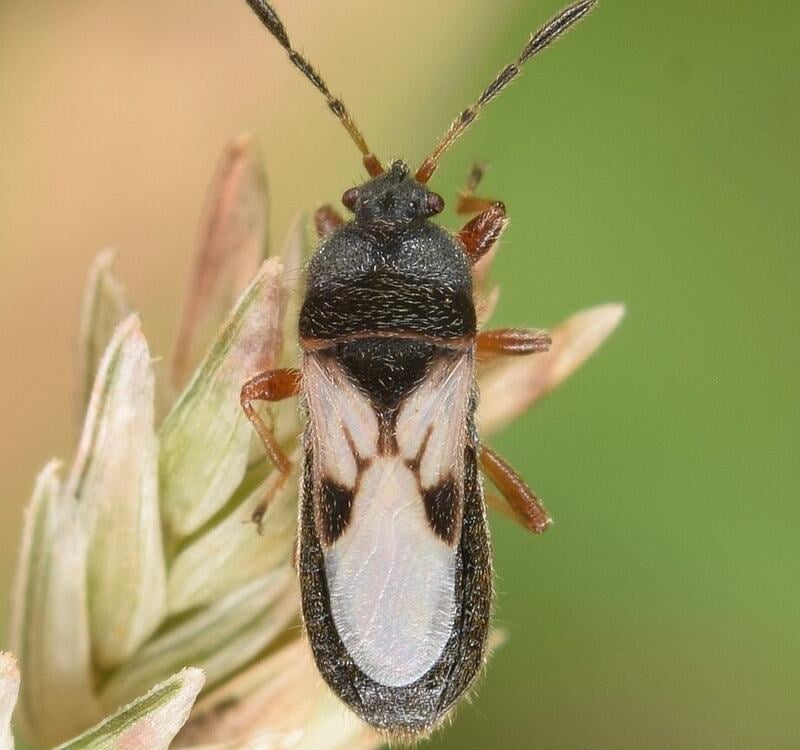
326	219
467	202
527	509
273	385
481	233
503	342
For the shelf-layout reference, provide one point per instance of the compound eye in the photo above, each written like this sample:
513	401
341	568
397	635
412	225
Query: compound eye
434	203
349	198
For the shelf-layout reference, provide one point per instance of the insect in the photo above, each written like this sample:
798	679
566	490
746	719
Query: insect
393	554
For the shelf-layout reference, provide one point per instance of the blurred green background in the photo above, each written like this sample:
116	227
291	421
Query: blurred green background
651	157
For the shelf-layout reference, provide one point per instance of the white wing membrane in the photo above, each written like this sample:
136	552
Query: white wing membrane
391	578
435	416
340	415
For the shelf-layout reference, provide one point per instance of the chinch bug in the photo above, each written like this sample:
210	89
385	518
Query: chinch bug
393	551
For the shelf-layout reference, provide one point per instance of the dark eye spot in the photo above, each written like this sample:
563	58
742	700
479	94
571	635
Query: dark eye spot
349	198
434	203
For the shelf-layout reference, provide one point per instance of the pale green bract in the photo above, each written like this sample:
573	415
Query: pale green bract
139	564
151	721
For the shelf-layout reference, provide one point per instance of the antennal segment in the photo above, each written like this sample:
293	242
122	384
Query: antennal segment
548	33
274	25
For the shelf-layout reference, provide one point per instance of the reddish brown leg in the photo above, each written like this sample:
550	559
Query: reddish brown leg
524	504
273	385
468	202
503	342
326	219
479	235
472	204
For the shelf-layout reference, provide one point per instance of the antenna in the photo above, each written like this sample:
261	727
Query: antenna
548	33
274	25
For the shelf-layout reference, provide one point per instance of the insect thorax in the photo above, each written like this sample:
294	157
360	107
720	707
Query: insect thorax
413	278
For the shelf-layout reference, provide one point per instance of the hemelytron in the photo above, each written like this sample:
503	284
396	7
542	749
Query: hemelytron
393	547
